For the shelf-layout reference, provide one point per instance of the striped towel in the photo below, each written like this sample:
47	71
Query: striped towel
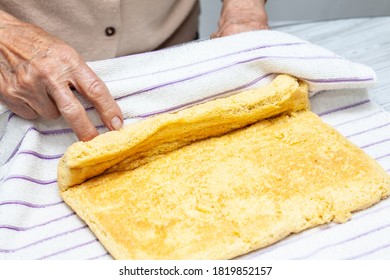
36	224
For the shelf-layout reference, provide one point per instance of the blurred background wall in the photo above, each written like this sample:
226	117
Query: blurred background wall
282	12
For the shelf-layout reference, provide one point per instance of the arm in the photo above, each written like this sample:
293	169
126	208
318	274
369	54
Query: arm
241	15
37	72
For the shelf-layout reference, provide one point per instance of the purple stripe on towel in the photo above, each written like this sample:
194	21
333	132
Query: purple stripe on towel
358	119
16	228
11	114
343	241
68	249
39	155
58	131
375	143
43	132
380	248
98	257
341	80
8	251
32	128
381	157
367	130
29	204
52	132
344	107
30	179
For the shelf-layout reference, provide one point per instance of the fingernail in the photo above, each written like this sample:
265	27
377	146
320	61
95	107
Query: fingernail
116	123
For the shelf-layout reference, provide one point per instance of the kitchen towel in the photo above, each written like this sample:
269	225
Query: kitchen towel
36	224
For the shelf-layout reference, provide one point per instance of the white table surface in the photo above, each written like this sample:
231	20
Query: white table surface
363	40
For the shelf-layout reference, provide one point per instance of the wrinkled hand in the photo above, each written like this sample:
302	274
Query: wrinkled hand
37	72
240	16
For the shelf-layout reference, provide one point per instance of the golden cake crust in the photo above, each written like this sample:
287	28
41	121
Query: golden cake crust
227	195
139	143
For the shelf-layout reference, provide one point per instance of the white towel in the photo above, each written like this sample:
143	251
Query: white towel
36	224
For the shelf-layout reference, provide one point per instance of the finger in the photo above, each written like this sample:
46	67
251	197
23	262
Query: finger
73	112
214	35
94	89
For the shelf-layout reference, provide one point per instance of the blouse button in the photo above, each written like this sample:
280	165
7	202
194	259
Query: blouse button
110	31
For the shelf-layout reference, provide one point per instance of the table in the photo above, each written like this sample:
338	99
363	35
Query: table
363	40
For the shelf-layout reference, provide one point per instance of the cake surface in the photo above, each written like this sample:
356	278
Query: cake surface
232	193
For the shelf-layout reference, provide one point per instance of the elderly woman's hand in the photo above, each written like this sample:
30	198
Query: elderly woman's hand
37	72
240	16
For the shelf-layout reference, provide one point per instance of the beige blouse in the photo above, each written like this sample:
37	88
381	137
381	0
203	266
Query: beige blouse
108	28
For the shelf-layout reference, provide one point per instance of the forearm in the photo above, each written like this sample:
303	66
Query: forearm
240	16
254	10
237	5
